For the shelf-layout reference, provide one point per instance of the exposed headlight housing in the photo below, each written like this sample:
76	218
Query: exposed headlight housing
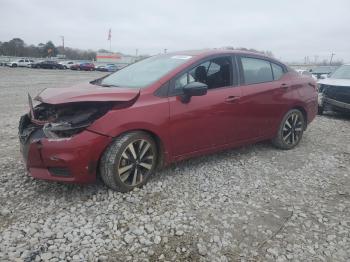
66	120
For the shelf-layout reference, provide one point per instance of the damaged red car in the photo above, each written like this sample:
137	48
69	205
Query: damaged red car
160	110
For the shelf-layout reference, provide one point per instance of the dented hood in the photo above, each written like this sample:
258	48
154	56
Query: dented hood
86	93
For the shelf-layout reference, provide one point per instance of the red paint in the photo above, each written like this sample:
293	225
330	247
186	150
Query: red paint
223	118
75	154
86	92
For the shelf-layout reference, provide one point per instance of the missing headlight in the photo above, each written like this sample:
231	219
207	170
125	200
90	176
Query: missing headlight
65	120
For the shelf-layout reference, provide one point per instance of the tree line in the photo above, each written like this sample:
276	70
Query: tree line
17	47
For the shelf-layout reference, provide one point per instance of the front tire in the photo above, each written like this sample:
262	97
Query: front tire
290	130
129	161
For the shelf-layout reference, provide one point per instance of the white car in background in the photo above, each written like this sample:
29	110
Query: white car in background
22	62
67	64
306	73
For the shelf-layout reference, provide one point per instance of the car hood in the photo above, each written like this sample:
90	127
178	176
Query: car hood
335	82
86	93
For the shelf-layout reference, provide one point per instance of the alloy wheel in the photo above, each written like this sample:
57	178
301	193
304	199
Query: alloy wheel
135	162
292	129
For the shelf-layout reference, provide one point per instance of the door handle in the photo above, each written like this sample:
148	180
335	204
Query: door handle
231	99
284	85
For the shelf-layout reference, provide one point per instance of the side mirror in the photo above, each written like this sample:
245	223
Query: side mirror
193	89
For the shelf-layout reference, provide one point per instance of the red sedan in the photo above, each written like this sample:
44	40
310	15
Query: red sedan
83	66
161	110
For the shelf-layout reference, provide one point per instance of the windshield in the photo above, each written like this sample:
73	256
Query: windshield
145	72
342	72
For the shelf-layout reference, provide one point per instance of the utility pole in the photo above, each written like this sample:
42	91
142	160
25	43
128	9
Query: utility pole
110	40
136	53
330	62
62	38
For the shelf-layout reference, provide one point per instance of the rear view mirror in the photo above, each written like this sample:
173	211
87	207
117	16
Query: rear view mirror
193	89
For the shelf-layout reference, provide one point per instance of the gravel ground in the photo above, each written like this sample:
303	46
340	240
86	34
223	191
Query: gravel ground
250	204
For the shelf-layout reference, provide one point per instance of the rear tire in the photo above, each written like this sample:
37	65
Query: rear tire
290	130
129	161
14	65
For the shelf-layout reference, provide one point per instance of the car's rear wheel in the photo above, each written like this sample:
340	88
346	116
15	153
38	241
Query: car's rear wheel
291	130
14	65
129	161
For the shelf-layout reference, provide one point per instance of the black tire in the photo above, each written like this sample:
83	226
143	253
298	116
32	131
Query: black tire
112	166
320	110
14	65
296	130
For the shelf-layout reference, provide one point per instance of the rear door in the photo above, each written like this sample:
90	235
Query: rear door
266	96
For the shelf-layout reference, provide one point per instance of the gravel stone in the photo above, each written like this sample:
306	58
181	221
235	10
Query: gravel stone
157	240
5	212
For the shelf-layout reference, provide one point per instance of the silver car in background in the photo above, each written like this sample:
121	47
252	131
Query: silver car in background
334	91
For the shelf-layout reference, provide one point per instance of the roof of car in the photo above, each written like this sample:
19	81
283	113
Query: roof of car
209	52
206	52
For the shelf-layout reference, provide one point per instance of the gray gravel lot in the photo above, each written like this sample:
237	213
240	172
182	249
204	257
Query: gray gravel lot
255	203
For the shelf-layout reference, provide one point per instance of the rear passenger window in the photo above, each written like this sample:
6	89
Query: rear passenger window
277	71
256	70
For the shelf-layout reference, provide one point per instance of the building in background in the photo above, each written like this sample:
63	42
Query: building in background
115	58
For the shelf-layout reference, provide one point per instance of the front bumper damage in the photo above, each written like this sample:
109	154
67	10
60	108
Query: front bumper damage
335	98
58	146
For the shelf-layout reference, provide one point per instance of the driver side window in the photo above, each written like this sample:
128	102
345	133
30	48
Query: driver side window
215	73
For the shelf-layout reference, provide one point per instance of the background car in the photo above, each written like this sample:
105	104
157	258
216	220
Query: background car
107	68
334	91
85	66
23	62
67	64
322	71
161	110
306	73
47	64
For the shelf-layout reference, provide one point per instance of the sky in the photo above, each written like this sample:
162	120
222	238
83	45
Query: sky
291	29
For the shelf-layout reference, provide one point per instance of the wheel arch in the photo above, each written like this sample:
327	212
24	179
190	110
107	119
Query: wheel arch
159	144
304	112
161	148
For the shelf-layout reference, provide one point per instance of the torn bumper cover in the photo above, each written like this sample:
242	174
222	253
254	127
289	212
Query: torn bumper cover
56	145
335	97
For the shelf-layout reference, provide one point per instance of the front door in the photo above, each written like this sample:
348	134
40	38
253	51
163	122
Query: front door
210	120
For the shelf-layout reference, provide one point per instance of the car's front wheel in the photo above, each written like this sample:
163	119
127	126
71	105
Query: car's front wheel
129	161
290	130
